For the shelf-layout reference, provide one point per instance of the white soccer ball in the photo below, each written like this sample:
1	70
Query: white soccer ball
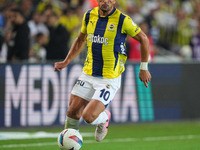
70	139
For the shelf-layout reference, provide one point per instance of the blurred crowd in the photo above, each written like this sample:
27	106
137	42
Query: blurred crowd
37	31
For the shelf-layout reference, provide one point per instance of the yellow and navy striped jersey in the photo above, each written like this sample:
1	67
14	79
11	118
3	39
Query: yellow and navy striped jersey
106	37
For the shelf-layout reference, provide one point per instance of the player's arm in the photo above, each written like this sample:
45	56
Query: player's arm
73	52
144	74
130	28
75	48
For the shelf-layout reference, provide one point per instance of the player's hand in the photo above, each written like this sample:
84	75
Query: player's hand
145	77
58	66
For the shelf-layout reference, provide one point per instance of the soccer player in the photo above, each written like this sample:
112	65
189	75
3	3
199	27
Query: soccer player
105	29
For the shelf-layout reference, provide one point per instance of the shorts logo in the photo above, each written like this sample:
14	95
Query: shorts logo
111	26
107	86
79	82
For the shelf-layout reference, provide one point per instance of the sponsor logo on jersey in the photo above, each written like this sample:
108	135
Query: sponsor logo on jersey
97	39
121	62
123	49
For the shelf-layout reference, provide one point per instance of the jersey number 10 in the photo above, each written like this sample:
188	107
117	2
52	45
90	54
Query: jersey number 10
105	94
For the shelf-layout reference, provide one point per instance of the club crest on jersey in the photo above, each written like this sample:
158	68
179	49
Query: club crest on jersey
107	86
111	26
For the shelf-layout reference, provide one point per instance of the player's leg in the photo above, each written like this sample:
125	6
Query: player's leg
95	113
81	94
74	112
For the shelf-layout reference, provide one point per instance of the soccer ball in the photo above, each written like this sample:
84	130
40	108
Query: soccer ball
70	139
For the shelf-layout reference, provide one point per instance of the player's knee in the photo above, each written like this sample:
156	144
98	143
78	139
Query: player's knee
73	114
89	118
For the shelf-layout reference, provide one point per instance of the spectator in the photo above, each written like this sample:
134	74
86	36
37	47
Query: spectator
133	12
195	44
89	4
38	51
69	20
39	37
57	48
183	29
4	16
55	5
171	22
2	25
36	26
134	46
19	41
27	9
3	53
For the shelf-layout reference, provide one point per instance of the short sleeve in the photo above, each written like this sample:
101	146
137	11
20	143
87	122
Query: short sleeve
83	27
129	27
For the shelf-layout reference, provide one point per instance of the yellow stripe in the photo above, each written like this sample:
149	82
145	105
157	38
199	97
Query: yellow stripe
108	54
108	50
90	29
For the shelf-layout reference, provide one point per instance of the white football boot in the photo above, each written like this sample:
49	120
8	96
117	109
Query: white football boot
102	129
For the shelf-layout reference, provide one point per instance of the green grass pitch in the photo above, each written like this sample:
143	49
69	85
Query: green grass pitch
139	136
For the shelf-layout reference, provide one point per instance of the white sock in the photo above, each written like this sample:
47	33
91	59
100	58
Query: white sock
71	123
102	118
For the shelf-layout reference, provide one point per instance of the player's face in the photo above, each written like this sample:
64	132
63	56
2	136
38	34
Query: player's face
106	5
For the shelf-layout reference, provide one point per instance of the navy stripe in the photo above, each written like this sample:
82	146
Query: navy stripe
119	39
87	17
100	29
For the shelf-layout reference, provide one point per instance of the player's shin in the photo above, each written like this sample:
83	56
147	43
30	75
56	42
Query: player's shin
71	123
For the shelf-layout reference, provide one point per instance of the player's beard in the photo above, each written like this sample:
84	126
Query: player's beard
105	9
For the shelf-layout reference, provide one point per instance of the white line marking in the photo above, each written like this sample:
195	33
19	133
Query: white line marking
36	135
162	138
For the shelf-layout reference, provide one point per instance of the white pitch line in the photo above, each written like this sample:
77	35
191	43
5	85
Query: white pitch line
162	138
28	145
36	135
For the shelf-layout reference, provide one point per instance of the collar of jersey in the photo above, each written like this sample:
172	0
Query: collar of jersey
108	14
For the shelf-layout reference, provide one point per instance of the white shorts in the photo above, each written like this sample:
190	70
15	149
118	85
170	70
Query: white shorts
89	87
